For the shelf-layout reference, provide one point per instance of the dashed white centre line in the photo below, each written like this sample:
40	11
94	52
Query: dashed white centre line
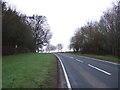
99	69
79	60
71	57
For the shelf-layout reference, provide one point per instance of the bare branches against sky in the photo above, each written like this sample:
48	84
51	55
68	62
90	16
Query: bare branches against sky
64	16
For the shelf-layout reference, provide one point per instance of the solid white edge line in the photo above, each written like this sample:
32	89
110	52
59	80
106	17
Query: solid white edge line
99	69
66	76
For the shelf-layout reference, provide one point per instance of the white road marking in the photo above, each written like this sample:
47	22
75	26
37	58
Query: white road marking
79	60
71	57
101	60
99	69
65	73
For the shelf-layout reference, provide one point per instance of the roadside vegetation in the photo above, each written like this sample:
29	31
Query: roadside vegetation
32	70
99	37
21	33
103	57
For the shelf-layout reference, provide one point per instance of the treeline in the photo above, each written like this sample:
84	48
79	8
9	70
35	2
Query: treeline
101	37
50	47
21	34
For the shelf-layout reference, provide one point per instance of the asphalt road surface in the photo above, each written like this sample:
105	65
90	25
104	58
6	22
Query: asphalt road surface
84	72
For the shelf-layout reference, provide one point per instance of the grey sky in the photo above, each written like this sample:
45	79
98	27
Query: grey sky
64	16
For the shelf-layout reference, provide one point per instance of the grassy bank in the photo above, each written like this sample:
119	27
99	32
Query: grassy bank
31	70
104	57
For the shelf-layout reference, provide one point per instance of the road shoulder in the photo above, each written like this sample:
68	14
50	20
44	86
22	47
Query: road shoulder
60	76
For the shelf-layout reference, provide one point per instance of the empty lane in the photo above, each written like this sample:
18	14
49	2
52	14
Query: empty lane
89	73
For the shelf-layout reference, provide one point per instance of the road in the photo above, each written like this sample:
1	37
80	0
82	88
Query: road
84	72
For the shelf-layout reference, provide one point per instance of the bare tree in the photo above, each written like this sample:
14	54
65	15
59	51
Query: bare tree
59	47
101	37
50	48
41	31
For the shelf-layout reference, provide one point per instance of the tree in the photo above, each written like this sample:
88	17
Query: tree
76	41
59	47
50	48
15	32
41	31
110	22
101	37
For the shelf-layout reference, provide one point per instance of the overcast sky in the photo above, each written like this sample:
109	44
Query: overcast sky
64	16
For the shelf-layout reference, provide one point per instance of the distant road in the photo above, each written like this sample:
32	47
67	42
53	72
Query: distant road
84	72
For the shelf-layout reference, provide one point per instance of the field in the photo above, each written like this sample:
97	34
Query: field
31	70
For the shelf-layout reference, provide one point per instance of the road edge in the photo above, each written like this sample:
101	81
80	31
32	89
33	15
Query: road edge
65	73
99	59
102	60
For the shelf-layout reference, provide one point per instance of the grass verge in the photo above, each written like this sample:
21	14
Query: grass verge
31	70
109	58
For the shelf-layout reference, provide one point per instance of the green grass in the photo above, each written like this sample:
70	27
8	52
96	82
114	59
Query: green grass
110	58
31	70
103	57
